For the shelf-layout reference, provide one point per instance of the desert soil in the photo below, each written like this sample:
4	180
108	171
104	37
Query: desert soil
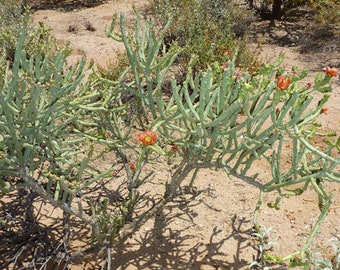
213	230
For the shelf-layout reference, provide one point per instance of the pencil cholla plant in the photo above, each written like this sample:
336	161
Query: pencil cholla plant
231	121
52	127
45	138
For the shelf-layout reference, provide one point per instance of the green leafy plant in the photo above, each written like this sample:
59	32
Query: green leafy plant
207	29
114	69
13	17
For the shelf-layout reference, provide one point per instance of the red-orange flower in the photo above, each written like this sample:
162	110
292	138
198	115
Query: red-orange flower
132	166
282	83
324	111
174	148
147	137
331	71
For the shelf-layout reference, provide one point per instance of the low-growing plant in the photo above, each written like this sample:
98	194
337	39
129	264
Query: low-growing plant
325	257
263	246
114	69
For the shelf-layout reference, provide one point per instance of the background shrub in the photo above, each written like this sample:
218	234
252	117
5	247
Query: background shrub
13	18
11	21
207	29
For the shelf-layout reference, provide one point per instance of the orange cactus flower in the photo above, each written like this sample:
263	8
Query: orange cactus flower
333	72
282	83
132	166
325	111
147	137
174	148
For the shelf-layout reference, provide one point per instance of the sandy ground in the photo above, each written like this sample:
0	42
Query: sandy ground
212	230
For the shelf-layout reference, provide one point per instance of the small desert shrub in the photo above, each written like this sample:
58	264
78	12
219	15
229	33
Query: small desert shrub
211	30
115	69
13	17
11	21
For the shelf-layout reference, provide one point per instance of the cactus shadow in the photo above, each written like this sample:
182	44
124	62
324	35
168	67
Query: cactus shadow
170	241
64	5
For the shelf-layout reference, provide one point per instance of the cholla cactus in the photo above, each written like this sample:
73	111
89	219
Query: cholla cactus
41	131
230	121
50	124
